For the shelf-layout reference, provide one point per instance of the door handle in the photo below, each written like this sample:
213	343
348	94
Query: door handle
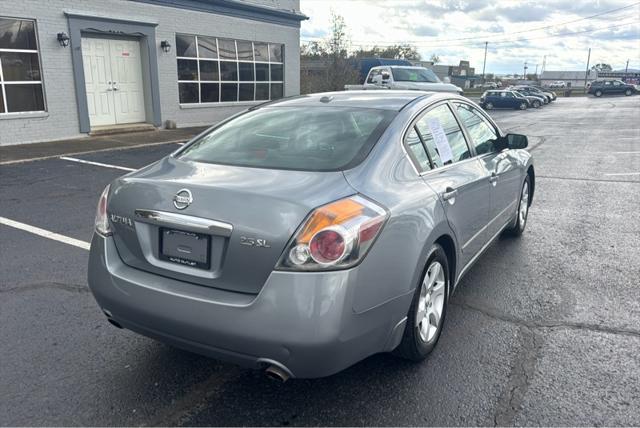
450	194
494	178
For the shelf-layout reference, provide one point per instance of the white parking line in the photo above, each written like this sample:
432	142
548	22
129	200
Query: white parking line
623	174
110	149
105	165
45	233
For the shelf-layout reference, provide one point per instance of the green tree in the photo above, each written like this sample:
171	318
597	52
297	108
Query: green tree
602	67
434	59
400	51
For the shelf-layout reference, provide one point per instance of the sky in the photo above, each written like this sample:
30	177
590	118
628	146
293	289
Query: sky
517	30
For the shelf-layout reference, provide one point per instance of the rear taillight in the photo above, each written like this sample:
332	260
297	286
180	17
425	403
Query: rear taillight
334	236
102	220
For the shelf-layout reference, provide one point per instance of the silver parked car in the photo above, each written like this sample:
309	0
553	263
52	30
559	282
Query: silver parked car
306	234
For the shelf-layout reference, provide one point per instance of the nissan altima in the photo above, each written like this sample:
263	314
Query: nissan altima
305	234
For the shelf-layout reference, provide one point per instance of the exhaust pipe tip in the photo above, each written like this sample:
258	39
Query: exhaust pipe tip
277	373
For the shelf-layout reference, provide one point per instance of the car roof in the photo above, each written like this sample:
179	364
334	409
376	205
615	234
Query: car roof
381	99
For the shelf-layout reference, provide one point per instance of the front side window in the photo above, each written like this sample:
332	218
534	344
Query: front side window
483	135
373	74
20	72
402	74
442	136
215	70
299	138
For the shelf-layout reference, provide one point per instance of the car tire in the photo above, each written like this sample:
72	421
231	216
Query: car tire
522	106
520	221
536	104
598	93
628	92
488	106
424	324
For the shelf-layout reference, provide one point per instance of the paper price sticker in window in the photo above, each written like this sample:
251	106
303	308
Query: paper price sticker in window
440	139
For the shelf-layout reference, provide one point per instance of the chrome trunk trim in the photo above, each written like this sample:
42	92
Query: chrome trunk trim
197	224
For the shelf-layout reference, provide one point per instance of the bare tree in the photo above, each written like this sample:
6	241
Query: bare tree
333	68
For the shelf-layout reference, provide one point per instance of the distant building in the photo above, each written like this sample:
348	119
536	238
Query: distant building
629	76
573	79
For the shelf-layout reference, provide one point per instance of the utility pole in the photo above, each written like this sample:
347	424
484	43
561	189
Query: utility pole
537	69
524	73
544	64
626	67
586	73
484	63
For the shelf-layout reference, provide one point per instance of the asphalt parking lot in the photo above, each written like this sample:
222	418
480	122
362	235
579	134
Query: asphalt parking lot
544	330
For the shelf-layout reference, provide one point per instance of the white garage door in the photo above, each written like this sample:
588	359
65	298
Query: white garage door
113	79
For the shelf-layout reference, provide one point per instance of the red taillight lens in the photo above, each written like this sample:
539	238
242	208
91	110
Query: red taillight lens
335	236
327	246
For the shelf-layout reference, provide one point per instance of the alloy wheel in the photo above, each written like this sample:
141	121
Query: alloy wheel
431	302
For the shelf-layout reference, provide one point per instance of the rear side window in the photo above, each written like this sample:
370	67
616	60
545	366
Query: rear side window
442	136
483	134
299	138
416	150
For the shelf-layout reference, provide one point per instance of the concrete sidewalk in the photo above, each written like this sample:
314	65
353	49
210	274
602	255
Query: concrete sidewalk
25	152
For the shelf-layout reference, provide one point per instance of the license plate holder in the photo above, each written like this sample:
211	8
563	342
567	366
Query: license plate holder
185	248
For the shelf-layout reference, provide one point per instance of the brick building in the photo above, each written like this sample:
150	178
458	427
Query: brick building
70	68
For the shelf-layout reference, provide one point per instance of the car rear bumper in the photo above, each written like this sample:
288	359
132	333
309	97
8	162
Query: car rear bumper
302	322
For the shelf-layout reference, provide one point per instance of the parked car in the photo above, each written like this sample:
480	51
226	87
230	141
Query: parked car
490	85
305	234
535	100
550	95
557	85
403	77
605	87
546	99
504	99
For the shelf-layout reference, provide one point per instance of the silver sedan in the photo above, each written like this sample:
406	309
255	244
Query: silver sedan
306	234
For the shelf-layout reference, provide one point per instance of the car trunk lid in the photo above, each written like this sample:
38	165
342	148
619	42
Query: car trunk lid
241	217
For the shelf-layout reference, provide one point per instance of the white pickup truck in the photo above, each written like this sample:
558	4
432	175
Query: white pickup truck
404	77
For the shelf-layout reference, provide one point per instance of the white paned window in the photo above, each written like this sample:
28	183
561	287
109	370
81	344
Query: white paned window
20	71
219	70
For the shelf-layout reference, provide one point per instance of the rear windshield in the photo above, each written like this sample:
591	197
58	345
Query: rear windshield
300	138
414	75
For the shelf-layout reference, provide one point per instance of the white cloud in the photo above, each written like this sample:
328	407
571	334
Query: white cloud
457	29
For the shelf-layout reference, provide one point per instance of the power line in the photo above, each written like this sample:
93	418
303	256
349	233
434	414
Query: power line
492	42
438	41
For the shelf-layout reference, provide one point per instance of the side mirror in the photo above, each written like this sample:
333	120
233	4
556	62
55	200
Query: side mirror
517	141
511	141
